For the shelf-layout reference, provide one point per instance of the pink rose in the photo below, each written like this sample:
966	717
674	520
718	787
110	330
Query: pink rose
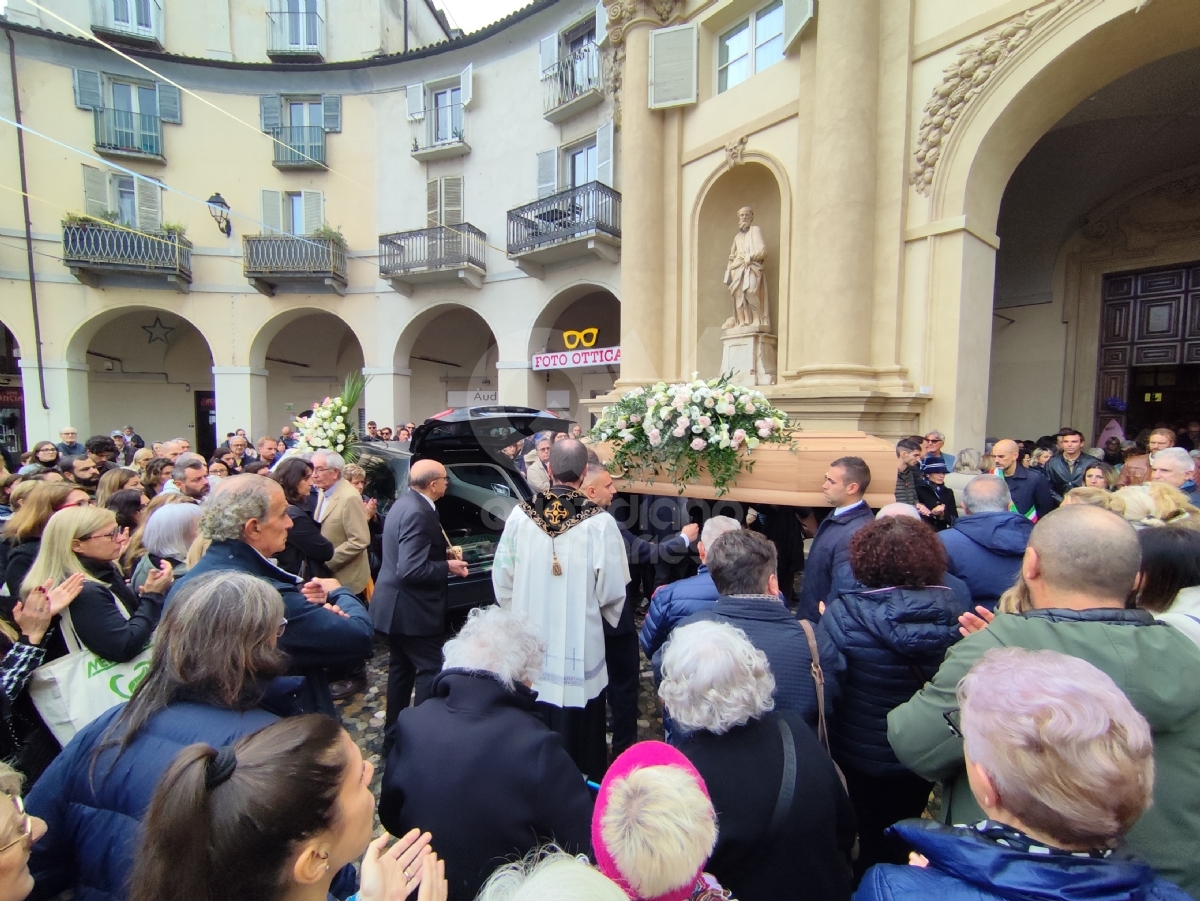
764	433
698	444
678	433
739	435
704	422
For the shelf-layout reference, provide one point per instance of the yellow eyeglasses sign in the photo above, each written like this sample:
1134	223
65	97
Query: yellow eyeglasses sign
587	338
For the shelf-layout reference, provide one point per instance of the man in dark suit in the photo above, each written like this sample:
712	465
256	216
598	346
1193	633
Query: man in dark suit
409	603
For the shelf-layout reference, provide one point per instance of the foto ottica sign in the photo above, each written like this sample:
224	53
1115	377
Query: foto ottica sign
575	359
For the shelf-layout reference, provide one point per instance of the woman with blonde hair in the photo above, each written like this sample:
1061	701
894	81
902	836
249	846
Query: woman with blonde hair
23	531
141	457
109	618
1096	497
116	480
19	832
1155	504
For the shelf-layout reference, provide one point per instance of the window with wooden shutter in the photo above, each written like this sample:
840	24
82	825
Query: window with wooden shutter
95	192
88	91
149	204
466	85
314	210
452	200
271	212
433	203
797	15
673	75
415	101
547	173
547	53
604	154
169	106
331	112
270	112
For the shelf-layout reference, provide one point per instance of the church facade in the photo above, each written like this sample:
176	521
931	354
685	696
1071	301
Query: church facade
981	215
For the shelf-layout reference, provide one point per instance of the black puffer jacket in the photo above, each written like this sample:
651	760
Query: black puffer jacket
100	625
892	641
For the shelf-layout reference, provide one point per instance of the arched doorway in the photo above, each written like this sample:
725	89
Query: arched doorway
1012	100
451	355
307	360
1090	327
152	369
584	316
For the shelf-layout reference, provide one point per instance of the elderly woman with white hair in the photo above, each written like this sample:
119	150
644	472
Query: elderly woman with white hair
1062	765
785	820
476	767
167	535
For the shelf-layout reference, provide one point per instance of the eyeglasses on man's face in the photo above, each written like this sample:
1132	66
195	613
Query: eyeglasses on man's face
25	821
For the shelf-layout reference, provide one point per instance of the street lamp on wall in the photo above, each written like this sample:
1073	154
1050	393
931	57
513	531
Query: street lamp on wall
219	210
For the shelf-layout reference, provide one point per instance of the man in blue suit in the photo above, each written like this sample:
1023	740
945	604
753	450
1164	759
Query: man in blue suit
846	483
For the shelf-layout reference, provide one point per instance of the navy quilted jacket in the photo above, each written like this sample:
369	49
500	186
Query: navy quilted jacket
891	641
93	823
772	629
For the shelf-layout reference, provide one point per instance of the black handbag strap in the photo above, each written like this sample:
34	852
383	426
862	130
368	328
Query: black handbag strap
787	784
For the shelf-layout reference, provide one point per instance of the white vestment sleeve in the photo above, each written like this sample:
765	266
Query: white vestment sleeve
504	562
612	574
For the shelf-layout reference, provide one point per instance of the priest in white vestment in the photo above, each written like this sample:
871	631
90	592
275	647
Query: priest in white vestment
561	562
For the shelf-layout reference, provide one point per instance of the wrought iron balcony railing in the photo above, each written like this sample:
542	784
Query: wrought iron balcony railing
139	21
98	247
293	256
573	76
440	247
299	147
574	213
120	131
295	34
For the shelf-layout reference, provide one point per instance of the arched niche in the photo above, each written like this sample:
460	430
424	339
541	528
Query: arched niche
750	184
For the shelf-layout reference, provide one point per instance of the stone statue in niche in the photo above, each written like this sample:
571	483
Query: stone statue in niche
744	274
749	346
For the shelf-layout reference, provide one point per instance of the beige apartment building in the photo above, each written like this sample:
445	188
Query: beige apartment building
981	216
435	216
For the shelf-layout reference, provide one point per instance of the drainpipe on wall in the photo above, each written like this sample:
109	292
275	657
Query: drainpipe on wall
406	26
37	322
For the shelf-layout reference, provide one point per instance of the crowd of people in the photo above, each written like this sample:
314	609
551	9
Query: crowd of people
1021	626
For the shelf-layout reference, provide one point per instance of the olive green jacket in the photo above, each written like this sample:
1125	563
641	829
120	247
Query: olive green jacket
1156	666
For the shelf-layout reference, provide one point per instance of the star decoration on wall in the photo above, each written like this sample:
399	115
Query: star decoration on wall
158	331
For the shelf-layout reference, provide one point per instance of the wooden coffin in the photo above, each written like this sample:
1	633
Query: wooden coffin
787	474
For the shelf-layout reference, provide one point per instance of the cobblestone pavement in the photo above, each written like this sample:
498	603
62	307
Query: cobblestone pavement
363	714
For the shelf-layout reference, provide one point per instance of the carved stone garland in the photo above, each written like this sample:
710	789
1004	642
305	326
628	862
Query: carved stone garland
623	15
964	80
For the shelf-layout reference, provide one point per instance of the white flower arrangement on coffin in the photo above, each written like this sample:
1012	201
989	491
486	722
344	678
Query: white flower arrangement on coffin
330	427
674	430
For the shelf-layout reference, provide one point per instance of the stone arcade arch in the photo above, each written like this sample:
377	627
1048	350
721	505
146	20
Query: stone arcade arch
1071	52
141	365
306	354
448	355
576	308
